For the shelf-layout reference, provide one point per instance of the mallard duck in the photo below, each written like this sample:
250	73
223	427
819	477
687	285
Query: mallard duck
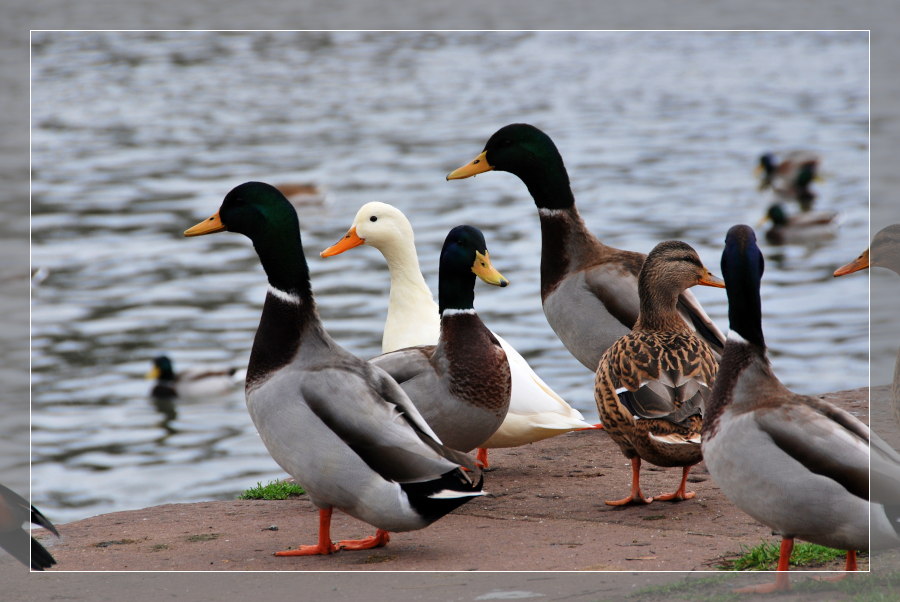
192	383
15	510
462	384
795	463
791	176
339	425
535	412
651	385
885	253
811	226
589	290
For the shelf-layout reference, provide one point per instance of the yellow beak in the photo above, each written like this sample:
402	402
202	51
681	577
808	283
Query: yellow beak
478	165
350	240
207	226
484	270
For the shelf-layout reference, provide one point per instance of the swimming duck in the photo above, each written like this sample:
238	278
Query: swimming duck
340	426
651	385
15	510
795	463
462	384
885	253
535	412
589	290
790	178
191	383
807	227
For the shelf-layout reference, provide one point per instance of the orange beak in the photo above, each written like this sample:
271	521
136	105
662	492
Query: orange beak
476	166
349	241
709	280
860	263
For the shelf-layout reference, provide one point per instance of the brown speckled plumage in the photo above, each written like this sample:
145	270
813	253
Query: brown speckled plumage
652	384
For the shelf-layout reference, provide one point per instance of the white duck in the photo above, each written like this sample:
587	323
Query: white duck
536	412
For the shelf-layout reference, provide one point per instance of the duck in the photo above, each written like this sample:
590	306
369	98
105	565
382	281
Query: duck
791	176
15	510
795	463
807	227
589	290
191	383
652	384
339	425
885	253
462	384
536	412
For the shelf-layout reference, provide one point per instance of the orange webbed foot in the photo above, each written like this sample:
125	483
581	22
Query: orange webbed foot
631	499
675	496
380	539
318	549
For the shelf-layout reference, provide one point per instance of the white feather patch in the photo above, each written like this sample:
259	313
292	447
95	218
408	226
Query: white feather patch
551	212
284	296
454	312
448	494
675	439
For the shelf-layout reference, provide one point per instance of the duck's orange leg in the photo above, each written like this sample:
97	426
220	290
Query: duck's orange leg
636	497
598	426
782	580
378	540
481	457
680	493
323	547
848	568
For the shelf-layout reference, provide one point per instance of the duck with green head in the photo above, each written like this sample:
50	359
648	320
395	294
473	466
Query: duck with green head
795	463
461	385
339	425
791	176
191	383
589	290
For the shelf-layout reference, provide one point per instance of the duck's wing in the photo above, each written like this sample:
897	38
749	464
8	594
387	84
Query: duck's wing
825	439
374	417
653	381
694	314
614	284
407	364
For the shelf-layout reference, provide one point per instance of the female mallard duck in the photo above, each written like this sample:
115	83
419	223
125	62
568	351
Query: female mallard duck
192	383
795	463
807	227
15	510
461	385
536	412
651	385
885	253
339	425
589	290
791	177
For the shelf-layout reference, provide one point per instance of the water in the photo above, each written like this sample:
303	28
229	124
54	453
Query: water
138	135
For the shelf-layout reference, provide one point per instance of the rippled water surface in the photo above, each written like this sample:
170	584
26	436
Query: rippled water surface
137	136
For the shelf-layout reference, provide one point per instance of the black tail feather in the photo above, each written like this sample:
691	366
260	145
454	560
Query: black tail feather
433	508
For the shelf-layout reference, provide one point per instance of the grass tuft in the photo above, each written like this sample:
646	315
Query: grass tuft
764	557
275	490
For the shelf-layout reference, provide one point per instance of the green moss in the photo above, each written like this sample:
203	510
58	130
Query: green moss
275	490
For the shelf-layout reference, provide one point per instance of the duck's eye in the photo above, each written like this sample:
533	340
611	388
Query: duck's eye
374	218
